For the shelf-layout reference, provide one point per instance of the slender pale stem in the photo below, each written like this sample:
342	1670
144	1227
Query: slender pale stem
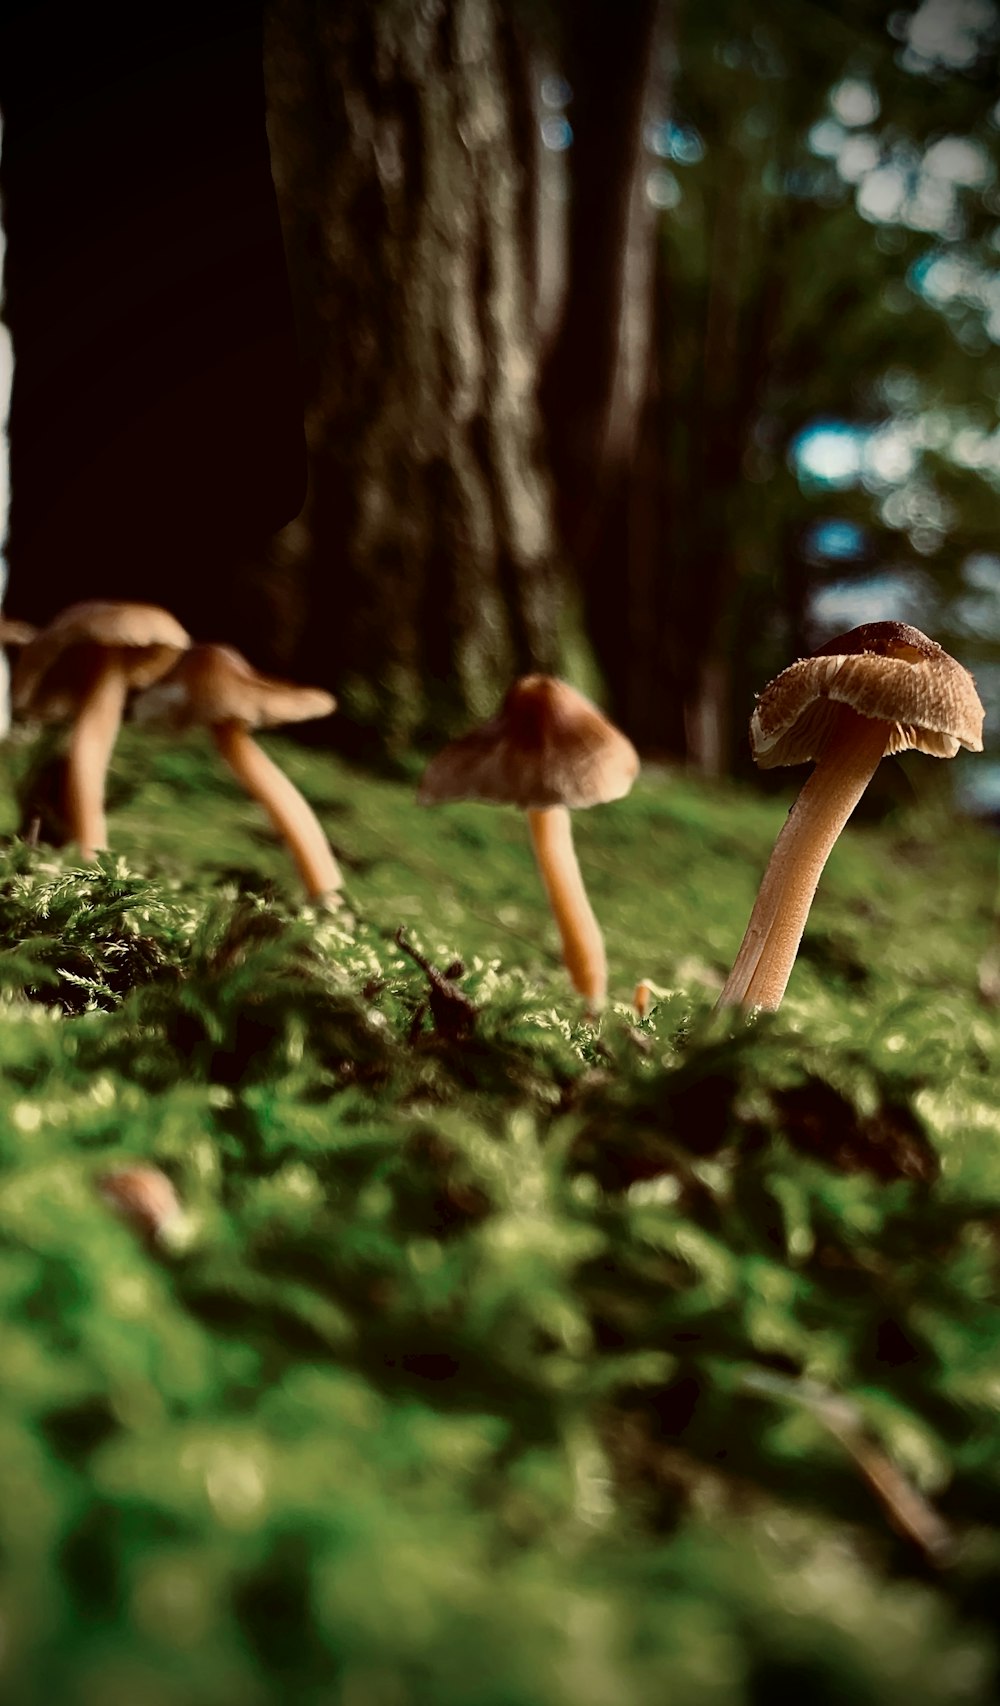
292	816
845	767
91	745
579	931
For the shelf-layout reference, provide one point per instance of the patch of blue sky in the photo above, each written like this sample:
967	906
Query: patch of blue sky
838	456
855	101
557	134
555	91
828	453
827	138
937	276
662	188
951	280
858	155
890	596
977	787
976	610
889	454
959	160
945	33
981	571
670	140
836	540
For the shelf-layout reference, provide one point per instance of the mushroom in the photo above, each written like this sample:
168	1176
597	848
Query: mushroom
880	689
81	667
13	635
547	749
215	686
143	1195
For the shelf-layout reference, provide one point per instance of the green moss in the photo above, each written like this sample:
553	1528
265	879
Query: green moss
495	1356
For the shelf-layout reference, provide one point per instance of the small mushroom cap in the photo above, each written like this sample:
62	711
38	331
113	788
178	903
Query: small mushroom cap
216	684
887	671
142	1194
547	746
56	668
15	633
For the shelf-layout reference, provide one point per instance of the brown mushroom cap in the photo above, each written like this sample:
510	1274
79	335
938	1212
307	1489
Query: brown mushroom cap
56	668
216	684
142	1194
15	633
887	671
547	746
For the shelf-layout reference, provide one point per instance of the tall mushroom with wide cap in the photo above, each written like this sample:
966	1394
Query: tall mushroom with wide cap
882	688
80	669
548	750
216	687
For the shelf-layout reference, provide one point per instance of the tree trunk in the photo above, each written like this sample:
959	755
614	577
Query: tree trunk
601	375
426	551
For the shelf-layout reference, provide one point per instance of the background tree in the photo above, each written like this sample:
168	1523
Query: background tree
426	556
467	438
647	342
585	380
820	173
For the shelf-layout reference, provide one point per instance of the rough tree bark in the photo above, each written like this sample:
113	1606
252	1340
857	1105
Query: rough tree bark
426	551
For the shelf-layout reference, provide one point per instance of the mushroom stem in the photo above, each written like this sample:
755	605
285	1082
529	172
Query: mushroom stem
91	745
843	771
579	931
292	816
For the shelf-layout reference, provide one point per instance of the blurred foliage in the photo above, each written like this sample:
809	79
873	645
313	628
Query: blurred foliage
797	429
495	1356
825	433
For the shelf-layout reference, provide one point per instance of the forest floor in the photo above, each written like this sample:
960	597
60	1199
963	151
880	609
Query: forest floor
494	1356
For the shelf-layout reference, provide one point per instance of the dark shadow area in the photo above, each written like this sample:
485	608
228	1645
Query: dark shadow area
156	423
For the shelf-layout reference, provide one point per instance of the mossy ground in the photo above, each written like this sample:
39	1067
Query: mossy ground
498	1359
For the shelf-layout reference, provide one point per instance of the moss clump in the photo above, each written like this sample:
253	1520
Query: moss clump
495	1357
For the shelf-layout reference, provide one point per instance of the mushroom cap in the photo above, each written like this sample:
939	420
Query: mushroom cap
15	633
56	668
142	1194
216	684
547	746
887	671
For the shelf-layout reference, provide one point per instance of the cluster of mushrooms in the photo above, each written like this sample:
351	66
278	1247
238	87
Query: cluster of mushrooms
81	669
882	688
